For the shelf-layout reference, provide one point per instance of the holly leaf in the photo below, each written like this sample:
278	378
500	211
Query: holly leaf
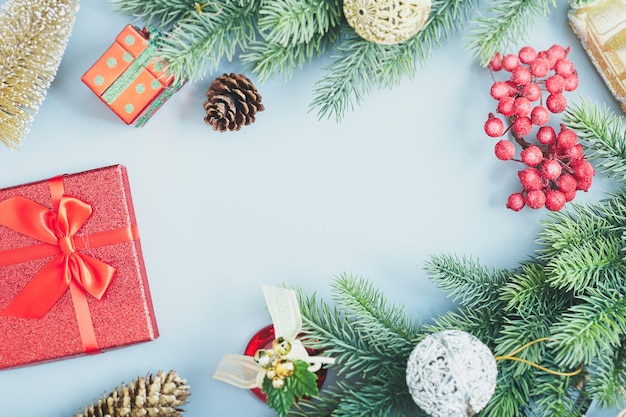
280	400
302	383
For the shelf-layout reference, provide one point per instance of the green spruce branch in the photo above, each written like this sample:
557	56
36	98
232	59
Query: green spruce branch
607	378
272	60
160	13
591	329
200	41
605	135
292	22
360	66
502	24
467	281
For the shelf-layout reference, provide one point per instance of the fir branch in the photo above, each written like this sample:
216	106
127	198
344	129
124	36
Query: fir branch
519	331
554	396
591	329
293	22
325	328
502	24
605	135
205	38
512	394
350	78
379	399
607	378
528	292
595	263
360	65
271	60
468	282
483	324
160	13
368	308
567	229
360	398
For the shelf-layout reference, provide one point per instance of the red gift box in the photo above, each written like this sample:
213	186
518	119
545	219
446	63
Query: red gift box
129	78
72	276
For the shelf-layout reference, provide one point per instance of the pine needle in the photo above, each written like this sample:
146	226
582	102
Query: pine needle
502	24
605	135
33	37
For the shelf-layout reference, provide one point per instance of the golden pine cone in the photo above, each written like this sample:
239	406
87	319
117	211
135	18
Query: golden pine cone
232	101
158	396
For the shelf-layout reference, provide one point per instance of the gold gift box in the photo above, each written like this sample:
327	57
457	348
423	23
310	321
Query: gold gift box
601	28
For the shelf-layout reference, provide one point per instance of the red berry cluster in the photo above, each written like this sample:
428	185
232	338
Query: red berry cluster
555	165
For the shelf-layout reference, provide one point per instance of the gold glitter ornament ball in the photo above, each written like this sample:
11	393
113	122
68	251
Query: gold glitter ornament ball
386	21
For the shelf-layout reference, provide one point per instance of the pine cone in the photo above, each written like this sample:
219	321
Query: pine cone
161	396
232	101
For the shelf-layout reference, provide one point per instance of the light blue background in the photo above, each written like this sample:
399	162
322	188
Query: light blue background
289	199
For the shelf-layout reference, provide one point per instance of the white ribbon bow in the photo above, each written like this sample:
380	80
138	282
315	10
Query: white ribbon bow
242	371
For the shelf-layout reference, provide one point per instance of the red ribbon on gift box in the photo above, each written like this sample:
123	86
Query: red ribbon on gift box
69	269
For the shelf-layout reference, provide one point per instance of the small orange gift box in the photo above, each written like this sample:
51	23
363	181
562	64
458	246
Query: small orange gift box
129	78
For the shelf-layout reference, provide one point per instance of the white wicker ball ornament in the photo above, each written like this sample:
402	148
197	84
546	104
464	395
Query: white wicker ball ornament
451	374
386	21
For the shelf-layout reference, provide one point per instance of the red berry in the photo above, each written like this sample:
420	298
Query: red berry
575	152
582	169
555	200
540	115
501	89
505	106
522	126
505	150
555	84
566	183
551	169
532	156
494	127
583	184
530	178
549	57
496	62
558	51
521	75
565	139
571	81
535	199
527	54
515	202
569	195
510	62
564	67
546	135
540	67
556	103
531	91
522	106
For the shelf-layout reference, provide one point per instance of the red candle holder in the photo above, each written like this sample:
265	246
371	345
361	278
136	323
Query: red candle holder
263	340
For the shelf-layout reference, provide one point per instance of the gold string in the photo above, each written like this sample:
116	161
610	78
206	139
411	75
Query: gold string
511	356
199	7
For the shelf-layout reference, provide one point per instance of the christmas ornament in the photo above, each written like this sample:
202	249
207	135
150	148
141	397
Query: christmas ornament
285	372
34	35
555	165
451	374
161	395
232	101
600	27
386	21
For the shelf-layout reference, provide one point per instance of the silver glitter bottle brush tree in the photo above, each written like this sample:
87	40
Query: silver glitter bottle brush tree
33	38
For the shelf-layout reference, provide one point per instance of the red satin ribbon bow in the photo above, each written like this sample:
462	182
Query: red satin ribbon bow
57	231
